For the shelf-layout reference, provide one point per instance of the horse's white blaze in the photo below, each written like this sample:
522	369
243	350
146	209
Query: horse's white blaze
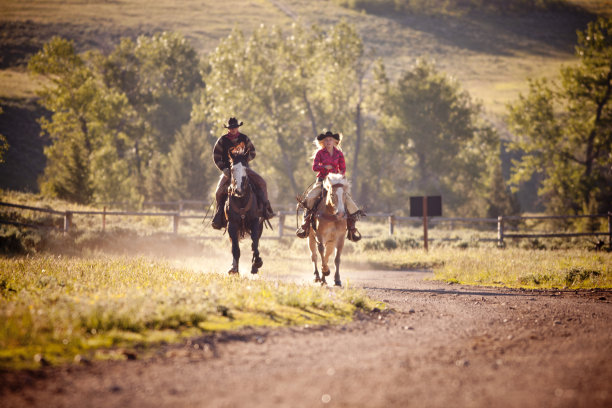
238	173
340	204
333	179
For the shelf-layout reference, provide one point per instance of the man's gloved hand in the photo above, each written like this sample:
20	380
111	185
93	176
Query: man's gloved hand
227	172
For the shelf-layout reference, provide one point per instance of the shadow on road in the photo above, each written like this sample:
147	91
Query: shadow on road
454	292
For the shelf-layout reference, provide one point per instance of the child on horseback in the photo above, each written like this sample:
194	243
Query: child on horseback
226	147
328	159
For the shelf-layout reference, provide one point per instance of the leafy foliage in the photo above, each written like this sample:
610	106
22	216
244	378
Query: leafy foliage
140	122
288	87
565	130
110	115
190	169
434	141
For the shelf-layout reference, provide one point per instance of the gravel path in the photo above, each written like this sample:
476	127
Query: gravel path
438	345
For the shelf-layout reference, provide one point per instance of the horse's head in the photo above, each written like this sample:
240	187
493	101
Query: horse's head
239	177
336	186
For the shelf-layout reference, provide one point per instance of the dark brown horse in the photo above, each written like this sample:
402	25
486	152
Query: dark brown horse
243	213
327	234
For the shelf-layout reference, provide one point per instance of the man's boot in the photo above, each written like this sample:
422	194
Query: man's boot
268	211
219	221
266	208
303	231
352	234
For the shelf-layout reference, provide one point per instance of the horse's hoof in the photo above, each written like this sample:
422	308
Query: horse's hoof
337	283
257	263
325	273
233	272
317	280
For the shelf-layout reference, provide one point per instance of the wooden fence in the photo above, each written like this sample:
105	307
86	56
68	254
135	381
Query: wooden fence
284	229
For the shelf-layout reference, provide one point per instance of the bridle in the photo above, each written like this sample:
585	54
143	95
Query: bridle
240	190
332	200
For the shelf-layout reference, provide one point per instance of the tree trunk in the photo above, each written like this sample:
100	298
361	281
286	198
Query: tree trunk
85	131
590	156
355	172
287	163
313	121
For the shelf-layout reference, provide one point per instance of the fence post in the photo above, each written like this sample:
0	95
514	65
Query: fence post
610	230
391	223
425	237
67	221
175	219
500	231
281	225
104	219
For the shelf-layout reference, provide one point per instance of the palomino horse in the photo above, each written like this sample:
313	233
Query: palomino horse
329	228
243	214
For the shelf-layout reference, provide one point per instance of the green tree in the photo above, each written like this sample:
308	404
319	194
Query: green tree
115	112
190	172
67	173
565	130
287	87
158	75
434	140
70	100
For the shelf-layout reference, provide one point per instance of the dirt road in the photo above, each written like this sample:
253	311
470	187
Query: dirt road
439	345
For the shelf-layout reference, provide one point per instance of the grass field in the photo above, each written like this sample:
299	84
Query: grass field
95	295
491	56
90	294
56	308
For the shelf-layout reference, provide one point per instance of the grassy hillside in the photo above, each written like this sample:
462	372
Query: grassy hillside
491	55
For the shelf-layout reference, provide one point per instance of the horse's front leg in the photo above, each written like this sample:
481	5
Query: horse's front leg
312	244
328	249
339	247
232	231
256	230
324	259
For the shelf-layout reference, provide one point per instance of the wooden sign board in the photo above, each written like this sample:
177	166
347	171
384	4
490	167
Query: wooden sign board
434	206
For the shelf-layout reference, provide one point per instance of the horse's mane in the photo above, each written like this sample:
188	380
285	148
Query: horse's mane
330	181
243	226
333	179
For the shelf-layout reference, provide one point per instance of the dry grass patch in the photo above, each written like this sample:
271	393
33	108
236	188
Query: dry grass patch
530	269
53	309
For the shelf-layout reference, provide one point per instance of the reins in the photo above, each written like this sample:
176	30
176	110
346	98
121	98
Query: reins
242	210
319	214
302	204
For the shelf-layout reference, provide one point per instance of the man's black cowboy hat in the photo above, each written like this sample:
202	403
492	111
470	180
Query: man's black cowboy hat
232	123
328	134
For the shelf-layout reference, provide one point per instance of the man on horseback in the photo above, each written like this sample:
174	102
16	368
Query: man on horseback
328	159
226	147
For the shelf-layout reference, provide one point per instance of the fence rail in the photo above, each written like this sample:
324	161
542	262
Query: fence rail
392	220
